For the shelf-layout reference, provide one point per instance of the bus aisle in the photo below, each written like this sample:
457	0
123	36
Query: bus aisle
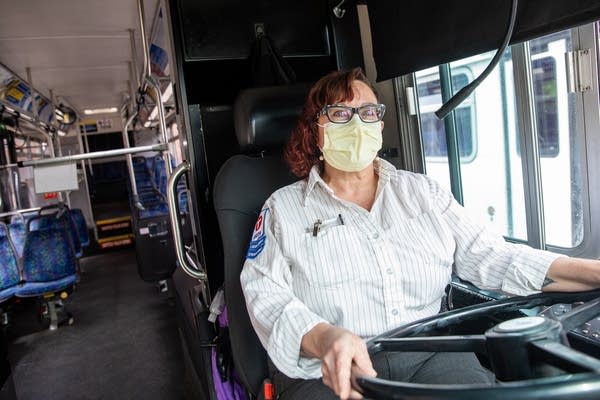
123	344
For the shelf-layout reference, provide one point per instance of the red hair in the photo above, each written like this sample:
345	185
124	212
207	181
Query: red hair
302	150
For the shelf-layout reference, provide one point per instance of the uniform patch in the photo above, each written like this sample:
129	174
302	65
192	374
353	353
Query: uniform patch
259	238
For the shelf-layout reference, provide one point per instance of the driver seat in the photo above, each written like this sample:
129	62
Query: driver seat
264	118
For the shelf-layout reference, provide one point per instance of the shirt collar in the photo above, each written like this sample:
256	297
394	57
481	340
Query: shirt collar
384	169
314	177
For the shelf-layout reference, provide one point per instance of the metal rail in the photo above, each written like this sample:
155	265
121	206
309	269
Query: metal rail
148	79
146	70
134	191
97	154
85	179
19	212
32	122
185	262
162	121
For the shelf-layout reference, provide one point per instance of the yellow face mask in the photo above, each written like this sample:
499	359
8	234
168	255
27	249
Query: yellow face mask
351	146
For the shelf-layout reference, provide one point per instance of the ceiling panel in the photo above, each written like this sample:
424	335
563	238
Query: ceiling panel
78	49
60	52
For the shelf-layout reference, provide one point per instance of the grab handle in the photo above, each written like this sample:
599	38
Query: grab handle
187	263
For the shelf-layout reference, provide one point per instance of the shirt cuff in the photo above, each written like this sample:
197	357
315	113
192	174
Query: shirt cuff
286	339
525	275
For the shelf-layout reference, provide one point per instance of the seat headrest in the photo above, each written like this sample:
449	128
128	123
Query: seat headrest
264	117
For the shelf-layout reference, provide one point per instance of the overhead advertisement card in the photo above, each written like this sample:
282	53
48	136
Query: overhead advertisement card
18	94
159	58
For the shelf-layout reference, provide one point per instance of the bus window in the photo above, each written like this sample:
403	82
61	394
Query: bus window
433	132
556	113
487	125
488	173
546	105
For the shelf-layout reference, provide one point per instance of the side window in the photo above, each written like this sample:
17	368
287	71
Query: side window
495	121
433	132
546	106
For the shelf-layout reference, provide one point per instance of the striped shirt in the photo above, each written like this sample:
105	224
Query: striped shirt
368	271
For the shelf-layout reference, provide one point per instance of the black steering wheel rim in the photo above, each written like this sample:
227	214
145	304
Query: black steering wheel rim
583	384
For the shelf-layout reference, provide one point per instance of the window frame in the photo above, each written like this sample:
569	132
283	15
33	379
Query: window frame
588	120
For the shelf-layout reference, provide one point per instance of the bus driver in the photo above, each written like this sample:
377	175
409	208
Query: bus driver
358	247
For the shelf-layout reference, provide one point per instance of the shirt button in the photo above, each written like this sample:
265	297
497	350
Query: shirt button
375	235
395	311
389	271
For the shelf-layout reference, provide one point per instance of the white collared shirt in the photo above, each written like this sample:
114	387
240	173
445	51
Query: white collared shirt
368	271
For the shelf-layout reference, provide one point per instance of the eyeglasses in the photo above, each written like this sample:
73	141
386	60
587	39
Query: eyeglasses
340	114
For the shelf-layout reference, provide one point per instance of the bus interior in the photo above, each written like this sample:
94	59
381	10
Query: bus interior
140	139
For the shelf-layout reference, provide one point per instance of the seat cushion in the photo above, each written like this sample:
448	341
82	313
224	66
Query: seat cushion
30	289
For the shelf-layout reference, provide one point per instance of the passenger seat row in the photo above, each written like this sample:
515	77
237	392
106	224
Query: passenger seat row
151	182
38	255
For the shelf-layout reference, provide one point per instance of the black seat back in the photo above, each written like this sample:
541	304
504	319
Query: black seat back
264	118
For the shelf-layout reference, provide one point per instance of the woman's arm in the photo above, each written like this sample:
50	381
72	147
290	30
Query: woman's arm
483	257
279	318
568	274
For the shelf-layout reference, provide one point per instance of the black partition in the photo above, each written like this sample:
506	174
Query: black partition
226	29
214	43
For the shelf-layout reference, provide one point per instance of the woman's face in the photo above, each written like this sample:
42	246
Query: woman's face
362	95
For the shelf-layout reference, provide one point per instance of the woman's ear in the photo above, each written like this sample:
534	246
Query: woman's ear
382	124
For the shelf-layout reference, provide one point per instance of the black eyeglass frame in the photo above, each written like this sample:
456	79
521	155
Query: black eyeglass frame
355	110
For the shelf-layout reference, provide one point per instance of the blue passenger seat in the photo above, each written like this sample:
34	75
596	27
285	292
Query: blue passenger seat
17	236
58	219
9	271
80	226
49	264
49	267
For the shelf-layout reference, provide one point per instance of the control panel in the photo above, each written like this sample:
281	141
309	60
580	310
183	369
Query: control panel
590	330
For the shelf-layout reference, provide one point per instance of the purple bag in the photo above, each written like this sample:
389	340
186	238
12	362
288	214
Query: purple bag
226	387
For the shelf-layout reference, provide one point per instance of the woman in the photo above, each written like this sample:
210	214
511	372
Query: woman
357	247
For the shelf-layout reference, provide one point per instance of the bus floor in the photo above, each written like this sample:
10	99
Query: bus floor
124	343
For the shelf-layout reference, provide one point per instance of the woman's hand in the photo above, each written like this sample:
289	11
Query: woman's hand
340	352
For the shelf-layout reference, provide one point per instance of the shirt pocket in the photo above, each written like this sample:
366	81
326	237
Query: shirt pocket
329	260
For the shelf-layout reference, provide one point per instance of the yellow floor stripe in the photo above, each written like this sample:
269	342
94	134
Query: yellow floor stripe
115	238
113	220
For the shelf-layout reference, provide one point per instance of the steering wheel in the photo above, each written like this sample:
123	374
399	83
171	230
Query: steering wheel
519	351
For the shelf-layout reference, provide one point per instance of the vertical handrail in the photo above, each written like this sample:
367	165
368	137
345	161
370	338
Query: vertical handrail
87	148
17	183
147	78
85	181
162	123
133	64
146	71
186	263
135	195
53	156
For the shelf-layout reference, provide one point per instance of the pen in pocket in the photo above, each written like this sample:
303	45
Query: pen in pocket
320	225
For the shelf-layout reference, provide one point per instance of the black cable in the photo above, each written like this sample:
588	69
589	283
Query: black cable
17	127
463	93
2	109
